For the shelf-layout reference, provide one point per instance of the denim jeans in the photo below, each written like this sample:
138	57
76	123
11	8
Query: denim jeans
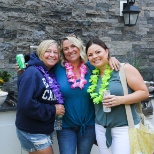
34	142
70	139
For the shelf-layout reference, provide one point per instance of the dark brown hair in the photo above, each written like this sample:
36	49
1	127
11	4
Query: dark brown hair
98	42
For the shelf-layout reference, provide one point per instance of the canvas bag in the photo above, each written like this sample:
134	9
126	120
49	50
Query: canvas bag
141	139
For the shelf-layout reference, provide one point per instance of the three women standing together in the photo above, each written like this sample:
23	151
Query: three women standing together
38	101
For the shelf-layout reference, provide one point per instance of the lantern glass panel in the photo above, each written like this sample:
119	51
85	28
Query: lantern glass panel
126	18
133	18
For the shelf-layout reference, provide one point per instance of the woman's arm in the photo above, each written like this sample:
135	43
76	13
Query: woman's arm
136	83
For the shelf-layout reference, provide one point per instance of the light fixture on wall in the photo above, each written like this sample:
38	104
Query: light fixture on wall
130	12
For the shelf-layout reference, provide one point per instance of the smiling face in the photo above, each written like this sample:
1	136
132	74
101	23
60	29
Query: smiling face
97	55
70	51
51	56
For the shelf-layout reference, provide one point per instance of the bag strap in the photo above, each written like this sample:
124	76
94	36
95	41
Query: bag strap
125	89
123	79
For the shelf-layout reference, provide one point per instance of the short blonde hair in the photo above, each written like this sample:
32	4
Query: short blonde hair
44	45
78	43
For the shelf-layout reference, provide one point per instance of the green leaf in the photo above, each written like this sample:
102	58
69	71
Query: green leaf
5	76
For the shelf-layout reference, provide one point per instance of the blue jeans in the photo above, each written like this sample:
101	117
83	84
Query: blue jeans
70	138
34	142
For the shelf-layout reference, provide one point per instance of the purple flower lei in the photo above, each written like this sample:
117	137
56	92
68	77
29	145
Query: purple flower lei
52	84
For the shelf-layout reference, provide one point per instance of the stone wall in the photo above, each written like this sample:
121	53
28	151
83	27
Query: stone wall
27	22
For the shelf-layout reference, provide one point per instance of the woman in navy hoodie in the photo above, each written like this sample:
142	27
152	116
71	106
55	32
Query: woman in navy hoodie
39	100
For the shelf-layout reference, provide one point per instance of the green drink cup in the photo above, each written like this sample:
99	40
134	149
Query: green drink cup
21	61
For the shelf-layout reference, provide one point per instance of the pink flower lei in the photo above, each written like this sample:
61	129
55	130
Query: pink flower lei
72	77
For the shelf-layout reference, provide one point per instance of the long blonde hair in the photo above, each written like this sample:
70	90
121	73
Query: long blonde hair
78	43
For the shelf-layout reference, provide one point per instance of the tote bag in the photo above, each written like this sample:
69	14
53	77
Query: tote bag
141	139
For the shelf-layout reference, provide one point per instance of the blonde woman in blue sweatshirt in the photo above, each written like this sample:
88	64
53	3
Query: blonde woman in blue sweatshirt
39	100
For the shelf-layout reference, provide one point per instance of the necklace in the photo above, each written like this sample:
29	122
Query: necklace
52	84
98	97
72	76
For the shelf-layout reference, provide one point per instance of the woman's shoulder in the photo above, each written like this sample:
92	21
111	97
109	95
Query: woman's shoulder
129	68
31	68
90	67
57	66
30	71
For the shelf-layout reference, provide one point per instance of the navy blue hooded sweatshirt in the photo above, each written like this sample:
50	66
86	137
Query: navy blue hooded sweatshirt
35	107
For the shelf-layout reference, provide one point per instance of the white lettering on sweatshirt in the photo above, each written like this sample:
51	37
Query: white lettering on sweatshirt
48	95
45	83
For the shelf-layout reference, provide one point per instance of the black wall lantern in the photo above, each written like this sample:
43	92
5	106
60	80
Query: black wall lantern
130	13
